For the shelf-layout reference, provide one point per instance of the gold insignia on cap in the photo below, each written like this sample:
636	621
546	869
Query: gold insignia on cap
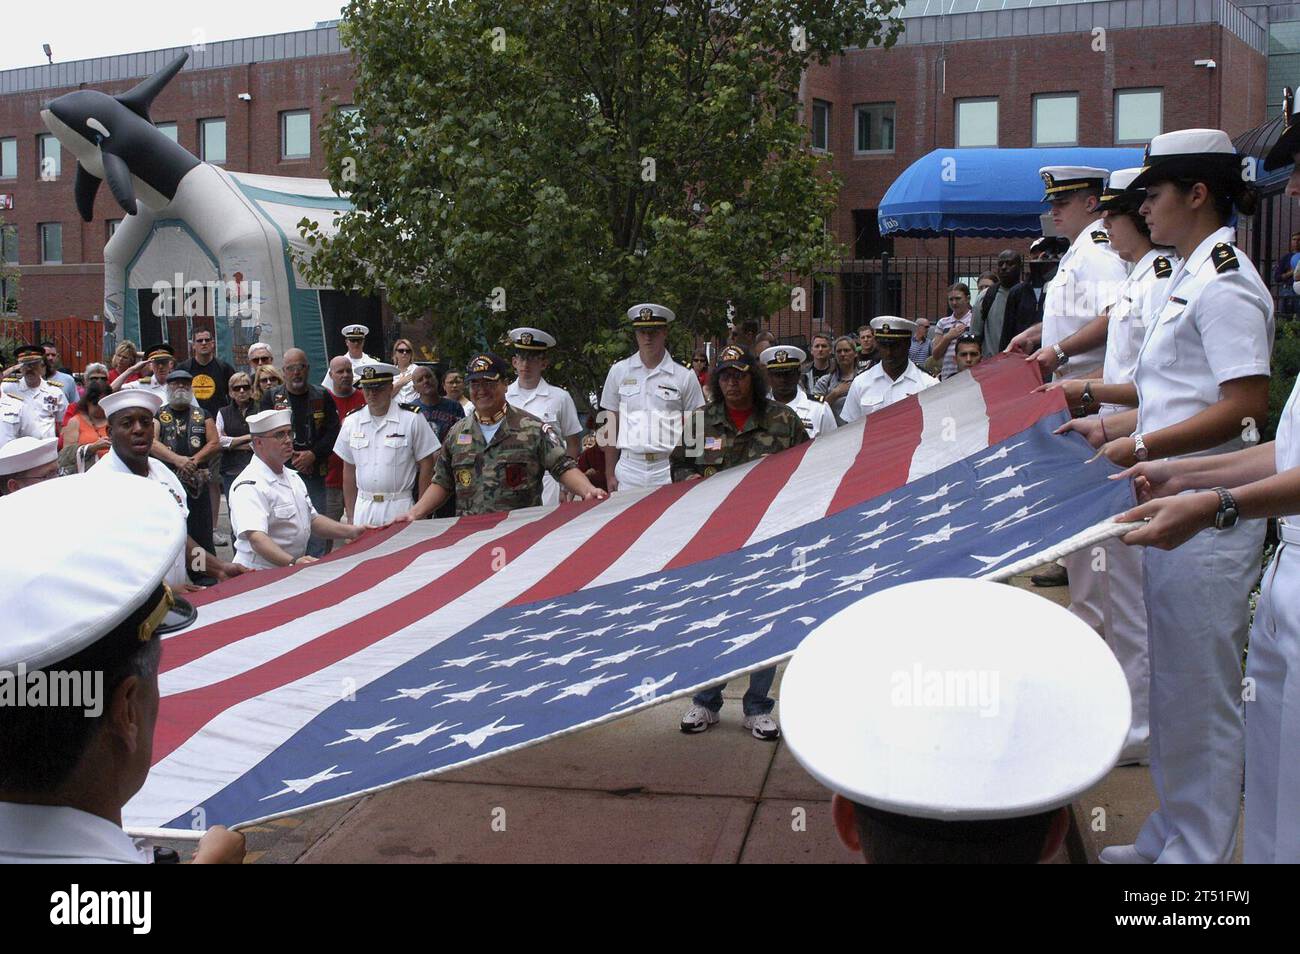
732	353
368	371
480	364
147	628
646	314
1047	179
781	356
526	338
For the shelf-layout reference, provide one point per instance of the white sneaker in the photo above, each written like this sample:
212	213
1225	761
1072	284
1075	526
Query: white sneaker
698	719
763	727
1123	855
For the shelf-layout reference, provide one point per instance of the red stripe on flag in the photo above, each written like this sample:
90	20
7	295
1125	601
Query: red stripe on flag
192	645
238	585
884	460
185	713
735	519
610	542
1008	382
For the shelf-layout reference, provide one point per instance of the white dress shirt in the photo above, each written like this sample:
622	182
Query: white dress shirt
1086	283
816	416
110	463
873	389
650	402
59	835
555	406
46	405
1140	298
275	504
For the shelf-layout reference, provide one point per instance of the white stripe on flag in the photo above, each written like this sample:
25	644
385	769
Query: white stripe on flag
956	425
240	737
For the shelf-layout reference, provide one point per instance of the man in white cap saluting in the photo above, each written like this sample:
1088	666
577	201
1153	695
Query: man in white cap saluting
92	620
783	363
645	399
355	337
131	429
46	403
388	452
1086	281
25	461
533	393
16	419
271	514
958	744
893	378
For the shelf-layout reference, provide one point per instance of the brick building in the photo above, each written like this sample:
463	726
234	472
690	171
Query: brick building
1084	73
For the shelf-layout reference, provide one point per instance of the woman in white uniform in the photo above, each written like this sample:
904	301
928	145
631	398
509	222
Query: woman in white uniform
1202	380
1260	481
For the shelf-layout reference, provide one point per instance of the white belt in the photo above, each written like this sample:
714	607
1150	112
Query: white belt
647	458
1289	532
386	495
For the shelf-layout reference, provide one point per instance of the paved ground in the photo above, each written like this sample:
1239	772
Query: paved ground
636	790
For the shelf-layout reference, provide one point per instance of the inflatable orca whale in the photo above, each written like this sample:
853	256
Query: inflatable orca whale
113	138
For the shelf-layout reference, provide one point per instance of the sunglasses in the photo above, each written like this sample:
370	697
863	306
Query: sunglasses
403	350
261	359
203	341
241	387
267	382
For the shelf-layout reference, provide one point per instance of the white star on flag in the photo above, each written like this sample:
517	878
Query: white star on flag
701	584
791	584
819	545
512	661
713	622
579	610
584	688
885	507
992	561
543	637
645	691
941	492
602	661
685	645
740	642
365	735
750	557
465	660
756	575
865	575
999	454
480	735
539	610
593	632
503	634
1023	514
421	691
678	605
1017	491
652	585
943	511
625	610
942	535
650	626
1010	471
525	692
883	527
784	609
565	659
300	785
875	544
465	695
415	738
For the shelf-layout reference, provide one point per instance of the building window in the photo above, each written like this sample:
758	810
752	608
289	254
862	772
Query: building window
977	122
212	140
1056	119
9	244
8	283
110	227
821	131
874	125
295	134
8	158
50	157
820	291
169	130
1138	115
867	240
51	243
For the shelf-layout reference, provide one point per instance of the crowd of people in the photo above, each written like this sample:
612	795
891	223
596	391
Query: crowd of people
1155	328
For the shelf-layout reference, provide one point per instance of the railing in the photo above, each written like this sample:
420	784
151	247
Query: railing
80	340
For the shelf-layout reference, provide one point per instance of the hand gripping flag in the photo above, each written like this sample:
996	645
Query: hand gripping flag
418	650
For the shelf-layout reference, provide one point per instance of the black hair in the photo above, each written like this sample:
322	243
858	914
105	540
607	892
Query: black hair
1229	194
967	338
756	376
889	838
40	746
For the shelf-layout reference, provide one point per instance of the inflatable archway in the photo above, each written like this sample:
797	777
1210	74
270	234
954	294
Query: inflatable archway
200	245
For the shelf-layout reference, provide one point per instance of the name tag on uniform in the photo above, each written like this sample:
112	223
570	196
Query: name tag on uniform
712	443
358	439
629	387
464	438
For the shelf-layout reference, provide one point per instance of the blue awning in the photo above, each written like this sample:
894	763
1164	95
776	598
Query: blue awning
987	192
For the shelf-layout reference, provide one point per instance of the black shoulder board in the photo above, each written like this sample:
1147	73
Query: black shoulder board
1100	237
407	407
1224	257
251	483
1162	267
819	398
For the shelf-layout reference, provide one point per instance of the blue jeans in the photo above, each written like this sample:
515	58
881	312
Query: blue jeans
756	700
316	491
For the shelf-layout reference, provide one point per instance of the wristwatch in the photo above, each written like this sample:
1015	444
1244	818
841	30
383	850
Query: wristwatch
1139	447
1062	359
1088	399
1226	516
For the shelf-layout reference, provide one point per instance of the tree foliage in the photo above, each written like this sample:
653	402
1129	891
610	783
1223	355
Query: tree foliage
567	159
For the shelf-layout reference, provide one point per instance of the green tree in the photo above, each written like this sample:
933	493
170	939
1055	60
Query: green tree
553	162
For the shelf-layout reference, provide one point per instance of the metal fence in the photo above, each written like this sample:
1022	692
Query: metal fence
80	340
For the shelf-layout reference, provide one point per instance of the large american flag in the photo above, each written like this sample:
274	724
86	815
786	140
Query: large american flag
420	650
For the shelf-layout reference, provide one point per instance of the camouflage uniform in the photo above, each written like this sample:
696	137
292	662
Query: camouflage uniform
724	446
505	474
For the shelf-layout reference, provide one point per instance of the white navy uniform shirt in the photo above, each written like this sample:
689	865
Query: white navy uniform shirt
58	834
16	419
275	504
1140	297
816	416
873	389
650	402
1085	284
46	405
1214	326
386	451
357	365
110	463
555	406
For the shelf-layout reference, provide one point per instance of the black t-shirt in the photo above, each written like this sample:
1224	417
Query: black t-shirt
211	383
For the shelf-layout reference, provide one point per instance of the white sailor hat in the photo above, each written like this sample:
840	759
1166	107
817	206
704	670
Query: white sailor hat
376	373
1283	151
67	604
355	331
24	453
1061	181
1118	196
264	422
1205	153
1011	713
782	357
110	404
650	315
530	339
893	328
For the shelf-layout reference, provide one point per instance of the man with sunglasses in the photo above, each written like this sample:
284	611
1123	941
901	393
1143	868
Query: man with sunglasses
259	355
355	337
211	388
533	393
